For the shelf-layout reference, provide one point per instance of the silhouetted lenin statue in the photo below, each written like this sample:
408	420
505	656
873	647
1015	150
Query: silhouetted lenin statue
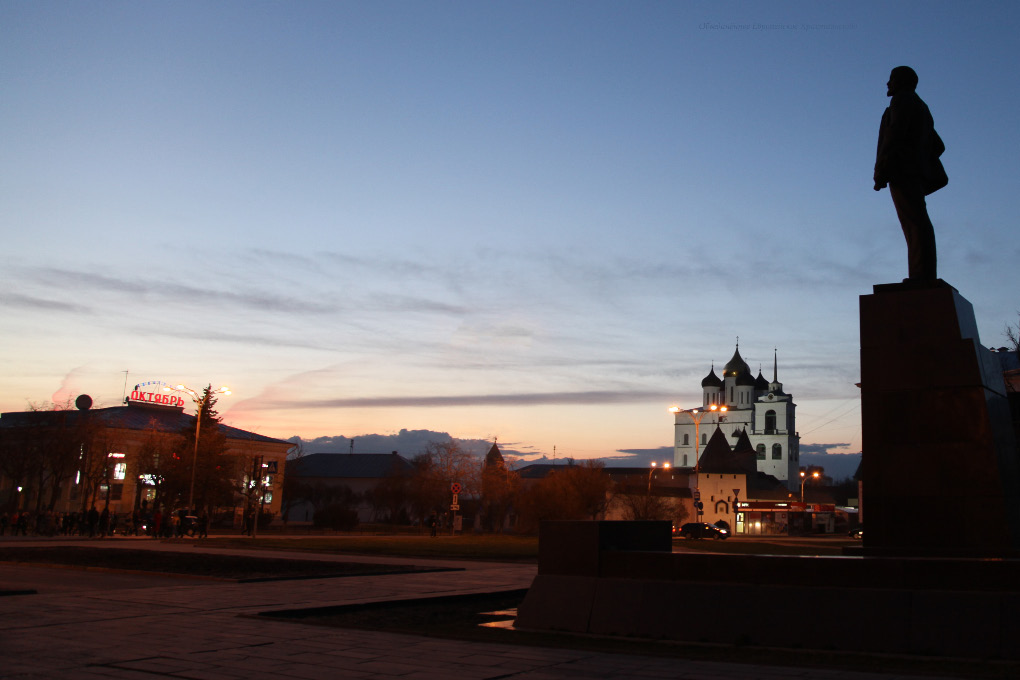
908	163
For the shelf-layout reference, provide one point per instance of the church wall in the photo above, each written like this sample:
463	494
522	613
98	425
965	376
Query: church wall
717	496
747	407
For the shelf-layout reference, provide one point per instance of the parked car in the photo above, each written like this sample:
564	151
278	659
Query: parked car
703	530
857	533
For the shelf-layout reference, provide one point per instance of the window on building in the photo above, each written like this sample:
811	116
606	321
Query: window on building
761	451
770	422
704	439
120	471
685	460
687	440
777	452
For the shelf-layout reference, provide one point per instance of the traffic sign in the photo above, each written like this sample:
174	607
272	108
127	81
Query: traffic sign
455	487
455	507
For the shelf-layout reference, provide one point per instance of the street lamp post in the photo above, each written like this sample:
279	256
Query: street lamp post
696	415
201	401
803	481
665	466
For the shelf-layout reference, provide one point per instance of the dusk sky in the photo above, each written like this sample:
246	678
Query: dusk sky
537	221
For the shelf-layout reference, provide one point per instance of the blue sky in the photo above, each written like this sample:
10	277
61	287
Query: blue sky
537	221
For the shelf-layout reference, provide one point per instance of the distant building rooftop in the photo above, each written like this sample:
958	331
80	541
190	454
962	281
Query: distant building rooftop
132	416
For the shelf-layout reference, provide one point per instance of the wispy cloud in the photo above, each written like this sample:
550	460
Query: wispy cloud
171	291
263	340
405	303
16	301
213	294
532	399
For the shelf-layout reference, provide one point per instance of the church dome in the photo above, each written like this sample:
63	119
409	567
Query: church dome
760	383
735	366
711	380
745	379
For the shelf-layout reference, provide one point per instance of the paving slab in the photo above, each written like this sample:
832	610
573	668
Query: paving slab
147	627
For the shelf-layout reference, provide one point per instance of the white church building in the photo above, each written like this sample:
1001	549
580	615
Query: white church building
739	401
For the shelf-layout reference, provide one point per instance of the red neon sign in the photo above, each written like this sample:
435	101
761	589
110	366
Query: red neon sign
159	397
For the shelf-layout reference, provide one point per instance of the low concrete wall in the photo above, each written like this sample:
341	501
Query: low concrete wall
593	580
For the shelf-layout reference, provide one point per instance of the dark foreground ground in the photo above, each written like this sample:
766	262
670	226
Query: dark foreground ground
238	568
489	617
461	617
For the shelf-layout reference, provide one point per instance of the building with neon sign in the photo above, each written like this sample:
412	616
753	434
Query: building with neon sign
54	459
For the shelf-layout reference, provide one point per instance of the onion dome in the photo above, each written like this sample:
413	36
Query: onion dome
746	379
735	366
711	380
760	383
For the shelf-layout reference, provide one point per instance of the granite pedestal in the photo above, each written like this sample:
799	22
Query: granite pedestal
956	607
940	469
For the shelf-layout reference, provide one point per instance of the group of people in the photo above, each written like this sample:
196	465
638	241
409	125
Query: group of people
16	523
91	523
94	523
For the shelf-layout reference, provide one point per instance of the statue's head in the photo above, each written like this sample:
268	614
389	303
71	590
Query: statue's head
902	79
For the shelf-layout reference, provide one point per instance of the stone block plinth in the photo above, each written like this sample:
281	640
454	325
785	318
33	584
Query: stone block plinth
940	469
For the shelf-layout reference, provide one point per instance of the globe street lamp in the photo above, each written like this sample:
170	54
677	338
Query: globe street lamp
201	401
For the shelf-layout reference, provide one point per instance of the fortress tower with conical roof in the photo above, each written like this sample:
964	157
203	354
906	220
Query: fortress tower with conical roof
754	406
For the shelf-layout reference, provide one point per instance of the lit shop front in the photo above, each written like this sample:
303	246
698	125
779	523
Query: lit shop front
779	518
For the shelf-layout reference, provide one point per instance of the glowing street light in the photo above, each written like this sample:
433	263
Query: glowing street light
696	415
201	401
803	481
665	466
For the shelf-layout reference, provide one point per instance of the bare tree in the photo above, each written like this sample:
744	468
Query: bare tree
434	471
293	491
572	492
1013	335
499	485
644	506
155	458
